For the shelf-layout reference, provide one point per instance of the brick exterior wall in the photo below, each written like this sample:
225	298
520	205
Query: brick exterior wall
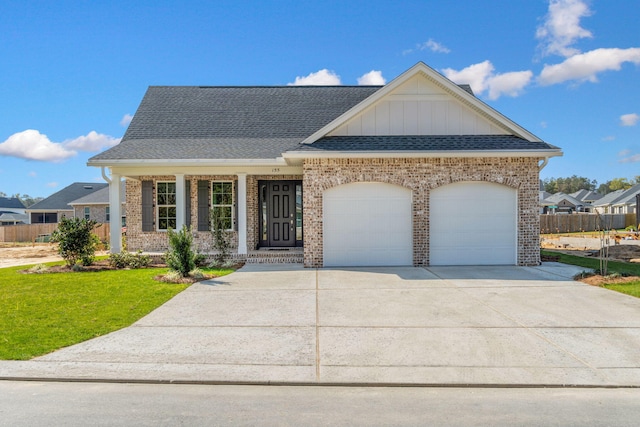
420	176
96	212
157	241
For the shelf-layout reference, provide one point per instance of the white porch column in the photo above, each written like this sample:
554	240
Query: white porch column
242	213
115	213
181	209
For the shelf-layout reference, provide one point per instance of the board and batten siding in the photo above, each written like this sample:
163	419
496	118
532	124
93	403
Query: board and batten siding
419	107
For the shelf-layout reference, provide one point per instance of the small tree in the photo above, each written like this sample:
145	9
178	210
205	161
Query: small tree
76	241
181	256
220	235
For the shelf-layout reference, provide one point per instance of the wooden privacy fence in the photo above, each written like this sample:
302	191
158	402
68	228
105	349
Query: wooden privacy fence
584	222
30	232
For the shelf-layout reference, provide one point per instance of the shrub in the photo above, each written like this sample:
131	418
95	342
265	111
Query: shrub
129	260
181	257
221	241
76	242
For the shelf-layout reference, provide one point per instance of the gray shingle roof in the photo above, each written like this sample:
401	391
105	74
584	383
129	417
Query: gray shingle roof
11	203
99	197
619	197
230	122
424	143
61	199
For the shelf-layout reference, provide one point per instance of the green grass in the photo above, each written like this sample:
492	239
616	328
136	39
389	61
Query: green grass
631	288
624	268
619	267
40	313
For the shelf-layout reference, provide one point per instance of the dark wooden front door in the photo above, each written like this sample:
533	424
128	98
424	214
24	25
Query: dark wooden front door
278	213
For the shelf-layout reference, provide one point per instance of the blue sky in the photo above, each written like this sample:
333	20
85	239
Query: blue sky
73	72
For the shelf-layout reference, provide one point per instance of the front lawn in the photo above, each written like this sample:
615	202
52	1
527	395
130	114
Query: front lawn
614	268
40	313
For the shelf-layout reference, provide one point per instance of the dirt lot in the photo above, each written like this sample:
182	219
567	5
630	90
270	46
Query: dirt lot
23	254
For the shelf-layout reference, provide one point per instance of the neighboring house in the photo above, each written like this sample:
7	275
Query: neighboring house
618	202
12	211
416	172
586	196
51	209
561	203
95	205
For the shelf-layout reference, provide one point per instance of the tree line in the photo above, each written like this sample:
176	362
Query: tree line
575	183
26	199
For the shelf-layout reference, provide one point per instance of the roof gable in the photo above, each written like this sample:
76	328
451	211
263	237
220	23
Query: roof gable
11	203
421	101
61	199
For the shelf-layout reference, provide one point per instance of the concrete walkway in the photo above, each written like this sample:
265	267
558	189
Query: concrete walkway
435	326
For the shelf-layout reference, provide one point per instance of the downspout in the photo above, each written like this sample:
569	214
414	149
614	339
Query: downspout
104	175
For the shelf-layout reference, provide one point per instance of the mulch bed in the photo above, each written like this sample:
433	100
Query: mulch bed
598	280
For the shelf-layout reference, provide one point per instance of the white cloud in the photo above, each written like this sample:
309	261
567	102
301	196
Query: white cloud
510	84
543	125
431	45
373	78
434	46
32	145
33	174
323	77
631	159
93	141
623	153
629	119
585	66
126	119
609	138
561	27
52	184
481	77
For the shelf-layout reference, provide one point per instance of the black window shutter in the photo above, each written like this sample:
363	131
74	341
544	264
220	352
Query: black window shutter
187	200
147	206
235	205
203	205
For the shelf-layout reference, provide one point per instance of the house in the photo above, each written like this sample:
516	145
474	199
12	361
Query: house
618	202
95	205
12	211
561	203
51	209
416	172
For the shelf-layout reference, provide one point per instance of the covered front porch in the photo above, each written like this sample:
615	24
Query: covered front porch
262	212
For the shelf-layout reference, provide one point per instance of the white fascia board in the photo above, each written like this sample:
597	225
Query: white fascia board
456	91
187	162
419	154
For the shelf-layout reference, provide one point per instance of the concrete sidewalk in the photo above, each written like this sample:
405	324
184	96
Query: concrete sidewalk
420	326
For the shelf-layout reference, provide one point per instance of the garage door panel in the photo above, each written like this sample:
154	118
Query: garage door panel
473	223
367	224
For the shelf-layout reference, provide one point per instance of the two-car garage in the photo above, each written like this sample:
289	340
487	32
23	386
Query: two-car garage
372	224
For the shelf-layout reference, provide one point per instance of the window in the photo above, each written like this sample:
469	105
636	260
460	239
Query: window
107	214
87	212
166	205
222	202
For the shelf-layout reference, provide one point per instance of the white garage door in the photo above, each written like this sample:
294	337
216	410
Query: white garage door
473	223
367	224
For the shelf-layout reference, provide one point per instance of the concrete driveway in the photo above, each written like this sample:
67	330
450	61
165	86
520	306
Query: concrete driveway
428	326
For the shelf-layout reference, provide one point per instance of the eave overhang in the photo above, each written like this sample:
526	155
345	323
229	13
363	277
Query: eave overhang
293	157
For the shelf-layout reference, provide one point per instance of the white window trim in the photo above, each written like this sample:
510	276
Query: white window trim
157	209
87	213
233	198
107	214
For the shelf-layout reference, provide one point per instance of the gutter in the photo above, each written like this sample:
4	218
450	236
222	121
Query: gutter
546	154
